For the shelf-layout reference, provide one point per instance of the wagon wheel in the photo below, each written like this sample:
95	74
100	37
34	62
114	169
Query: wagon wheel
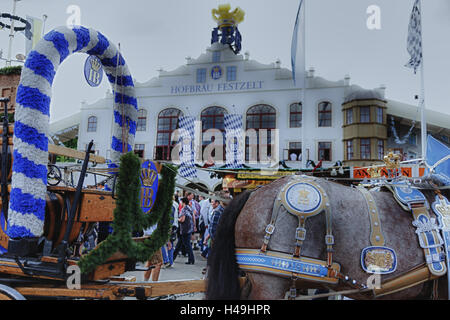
8	293
54	176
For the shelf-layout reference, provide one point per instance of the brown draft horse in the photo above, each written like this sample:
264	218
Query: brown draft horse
243	224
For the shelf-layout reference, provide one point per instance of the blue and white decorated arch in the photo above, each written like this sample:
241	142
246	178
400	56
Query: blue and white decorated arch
31	130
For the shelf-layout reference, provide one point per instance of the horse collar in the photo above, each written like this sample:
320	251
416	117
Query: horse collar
303	197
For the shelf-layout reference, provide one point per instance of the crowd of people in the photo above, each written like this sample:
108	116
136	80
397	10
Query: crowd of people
194	224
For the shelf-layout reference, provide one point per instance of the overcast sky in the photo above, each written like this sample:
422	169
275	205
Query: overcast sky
156	34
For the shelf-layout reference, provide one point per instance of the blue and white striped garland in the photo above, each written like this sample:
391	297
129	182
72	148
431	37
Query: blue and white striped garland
187	152
31	131
234	141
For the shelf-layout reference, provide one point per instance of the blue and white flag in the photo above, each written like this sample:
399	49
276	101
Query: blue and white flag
33	35
438	160
298	44
414	42
234	141
187	152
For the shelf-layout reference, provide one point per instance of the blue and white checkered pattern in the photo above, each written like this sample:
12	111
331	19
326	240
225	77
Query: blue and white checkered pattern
234	147
414	42
31	130
187	153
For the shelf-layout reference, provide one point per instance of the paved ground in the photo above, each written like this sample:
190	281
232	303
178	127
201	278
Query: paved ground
179	271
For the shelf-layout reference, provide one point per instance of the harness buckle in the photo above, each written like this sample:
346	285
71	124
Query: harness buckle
270	228
293	288
415	204
300	234
329	239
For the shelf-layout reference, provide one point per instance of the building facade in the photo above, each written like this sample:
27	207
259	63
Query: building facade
336	121
9	81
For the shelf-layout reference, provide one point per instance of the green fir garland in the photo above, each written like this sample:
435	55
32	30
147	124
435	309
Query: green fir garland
128	216
6	71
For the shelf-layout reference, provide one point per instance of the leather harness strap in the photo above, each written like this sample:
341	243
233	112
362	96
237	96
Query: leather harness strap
300	236
271	226
427	231
432	252
376	234
408	279
300	233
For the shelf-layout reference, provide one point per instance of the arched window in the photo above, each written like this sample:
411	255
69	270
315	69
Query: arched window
167	123
212	118
324	111
295	115
92	124
141	124
261	116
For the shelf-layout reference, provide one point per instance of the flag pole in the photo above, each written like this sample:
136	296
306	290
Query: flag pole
11	35
303	95
422	101
300	23
423	117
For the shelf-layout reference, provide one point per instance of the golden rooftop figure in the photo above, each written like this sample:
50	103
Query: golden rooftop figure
225	18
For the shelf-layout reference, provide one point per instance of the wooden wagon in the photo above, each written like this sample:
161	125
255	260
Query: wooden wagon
41	269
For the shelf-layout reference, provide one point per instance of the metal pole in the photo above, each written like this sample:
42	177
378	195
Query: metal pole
44	18
422	98
11	35
4	160
303	95
422	116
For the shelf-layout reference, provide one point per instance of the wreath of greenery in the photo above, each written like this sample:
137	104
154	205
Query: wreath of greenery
17	70
128	216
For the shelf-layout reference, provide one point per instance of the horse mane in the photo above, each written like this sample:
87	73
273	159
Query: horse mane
223	271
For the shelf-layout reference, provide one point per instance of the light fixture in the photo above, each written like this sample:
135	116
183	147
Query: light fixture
20	57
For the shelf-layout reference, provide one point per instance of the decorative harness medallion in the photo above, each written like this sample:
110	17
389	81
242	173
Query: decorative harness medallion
302	199
380	260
